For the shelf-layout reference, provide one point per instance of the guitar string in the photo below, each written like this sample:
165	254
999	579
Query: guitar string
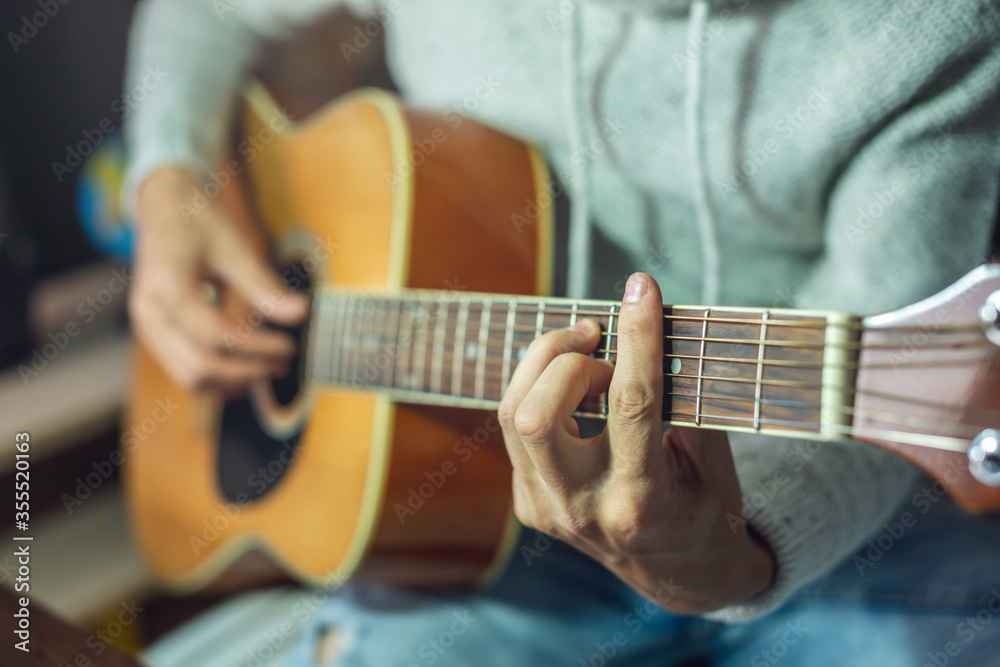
753	342
499	326
552	309
384	337
883	415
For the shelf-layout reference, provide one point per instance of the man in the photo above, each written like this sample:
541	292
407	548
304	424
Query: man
733	150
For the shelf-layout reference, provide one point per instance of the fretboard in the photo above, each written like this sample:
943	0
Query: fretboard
740	369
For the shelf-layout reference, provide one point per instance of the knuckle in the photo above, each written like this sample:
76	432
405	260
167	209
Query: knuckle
198	377
625	531
632	401
628	523
574	365
186	379
553	343
531	423
506	411
536	346
578	522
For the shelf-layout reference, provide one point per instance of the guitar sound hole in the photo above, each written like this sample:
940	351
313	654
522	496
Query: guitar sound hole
251	463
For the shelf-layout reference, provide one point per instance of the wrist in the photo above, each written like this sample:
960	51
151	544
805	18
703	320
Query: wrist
737	568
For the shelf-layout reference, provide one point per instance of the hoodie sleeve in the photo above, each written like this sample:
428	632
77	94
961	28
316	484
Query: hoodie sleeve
189	58
911	213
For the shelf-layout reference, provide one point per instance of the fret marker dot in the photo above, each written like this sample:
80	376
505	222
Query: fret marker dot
521	351
675	366
470	350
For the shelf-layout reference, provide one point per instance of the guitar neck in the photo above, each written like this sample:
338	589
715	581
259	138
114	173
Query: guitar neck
778	371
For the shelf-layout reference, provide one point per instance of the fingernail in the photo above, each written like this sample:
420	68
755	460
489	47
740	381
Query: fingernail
635	288
585	326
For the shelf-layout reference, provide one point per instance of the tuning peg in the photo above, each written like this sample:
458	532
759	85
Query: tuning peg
984	457
989	317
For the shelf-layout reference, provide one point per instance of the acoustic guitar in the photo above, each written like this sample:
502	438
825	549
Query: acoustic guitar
426	243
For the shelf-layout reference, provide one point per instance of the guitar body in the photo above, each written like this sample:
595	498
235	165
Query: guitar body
334	483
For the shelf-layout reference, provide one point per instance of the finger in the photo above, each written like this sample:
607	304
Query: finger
212	331
240	266
540	354
196	369
635	398
546	427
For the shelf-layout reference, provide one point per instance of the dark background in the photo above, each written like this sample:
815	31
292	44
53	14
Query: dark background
59	84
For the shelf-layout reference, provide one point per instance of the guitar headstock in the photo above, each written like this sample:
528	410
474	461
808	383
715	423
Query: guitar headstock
928	386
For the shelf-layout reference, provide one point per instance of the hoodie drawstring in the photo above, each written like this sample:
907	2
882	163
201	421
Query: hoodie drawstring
580	236
696	151
578	281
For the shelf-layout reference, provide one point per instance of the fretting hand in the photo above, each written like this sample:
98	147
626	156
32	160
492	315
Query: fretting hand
650	506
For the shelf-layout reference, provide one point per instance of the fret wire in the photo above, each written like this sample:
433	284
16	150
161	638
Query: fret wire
540	319
345	348
701	366
421	347
357	326
391	339
484	321
404	338
457	370
350	339
384	369
371	375
333	340
321	337
609	336
359	340
439	338
572	317
400	361
608	333
319	326
508	342
364	342
760	371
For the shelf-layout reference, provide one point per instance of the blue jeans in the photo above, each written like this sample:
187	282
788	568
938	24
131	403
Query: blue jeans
922	595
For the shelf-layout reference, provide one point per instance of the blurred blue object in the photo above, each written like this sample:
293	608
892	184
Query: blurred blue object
98	199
